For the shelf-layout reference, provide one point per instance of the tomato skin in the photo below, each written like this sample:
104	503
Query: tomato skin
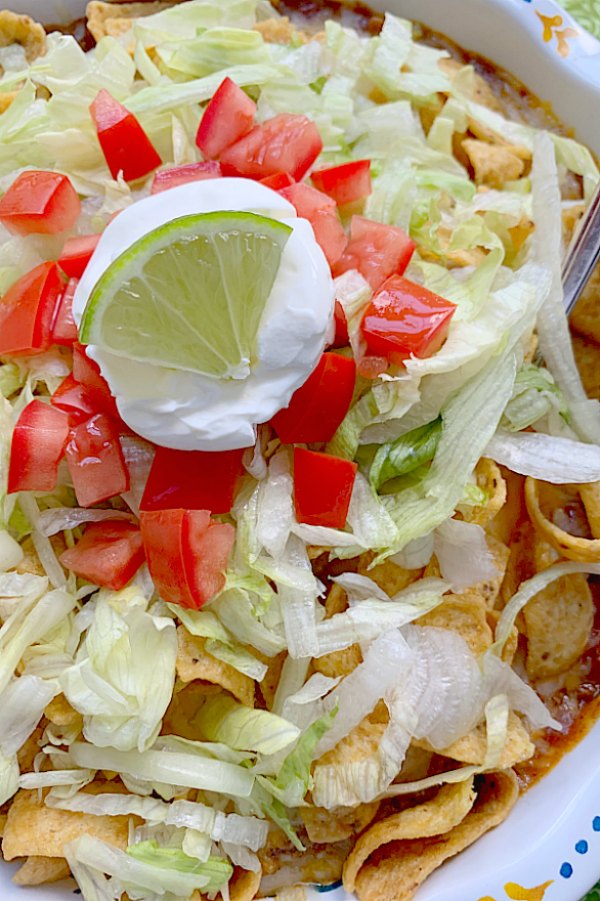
228	116
109	554
124	143
405	319
346	183
286	143
318	407
96	461
72	398
77	253
40	203
87	372
322	488
187	554
64	330
341	337
376	250
183	175
38	445
321	212
278	180
202	480
27	311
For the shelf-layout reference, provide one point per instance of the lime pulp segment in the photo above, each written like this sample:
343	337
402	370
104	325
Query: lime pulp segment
189	294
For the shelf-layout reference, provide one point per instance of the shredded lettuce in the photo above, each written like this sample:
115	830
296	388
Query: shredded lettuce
222	719
545	457
407	453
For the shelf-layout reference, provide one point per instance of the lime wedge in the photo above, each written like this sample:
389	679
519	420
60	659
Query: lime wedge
190	294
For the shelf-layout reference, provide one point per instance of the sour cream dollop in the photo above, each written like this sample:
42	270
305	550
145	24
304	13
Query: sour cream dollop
190	411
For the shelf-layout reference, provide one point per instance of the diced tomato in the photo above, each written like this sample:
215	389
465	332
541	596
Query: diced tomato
125	145
40	203
372	367
73	399
38	445
77	253
202	480
346	183
27	311
405	319
64	330
321	212
187	554
322	488
87	372
96	461
183	175
109	554
227	118
286	143
376	250
278	181
318	407
341	337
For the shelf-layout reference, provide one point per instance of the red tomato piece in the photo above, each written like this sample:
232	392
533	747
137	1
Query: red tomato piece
318	407
372	367
87	372
125	145
346	183
286	143
38	445
227	118
64	330
73	399
321	212
40	203
322	488
202	480
109	554
96	461
77	253
278	181
376	250
27	311
183	175
187	554
405	319
341	337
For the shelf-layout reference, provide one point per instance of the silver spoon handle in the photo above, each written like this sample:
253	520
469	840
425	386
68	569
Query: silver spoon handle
583	253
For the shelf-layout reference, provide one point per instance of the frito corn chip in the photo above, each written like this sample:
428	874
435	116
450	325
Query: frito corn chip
388	575
108	19
571	546
40	870
590	496
341	663
60	712
493	164
32	829
472	748
489	478
268	686
284	865
396	870
325	826
447	809
195	663
466	614
16	29
481	90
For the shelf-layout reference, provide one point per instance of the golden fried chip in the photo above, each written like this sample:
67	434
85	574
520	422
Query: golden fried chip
31	562
3	818
40	870
489	478
340	663
512	642
472	748
390	576
585	318
587	357
466	614
326	826
32	829
109	19
244	885
268	686
333	771
567	545
492	164
283	865
16	29
29	751
396	870
6	98
490	588
278	30
482	92
60	712
590	496
195	663
446	810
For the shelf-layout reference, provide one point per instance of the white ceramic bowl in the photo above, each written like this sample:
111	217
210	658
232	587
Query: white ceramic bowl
553	834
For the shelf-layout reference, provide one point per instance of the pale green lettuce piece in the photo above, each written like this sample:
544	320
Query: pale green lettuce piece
214	50
212	873
222	719
534	395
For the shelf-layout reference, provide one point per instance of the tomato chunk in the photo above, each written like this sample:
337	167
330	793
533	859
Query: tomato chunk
321	212
202	480
77	253
286	143
278	181
73	399
40	203
347	183
405	319
187	554
64	330
125	145
322	488
318	407
109	554
376	250
227	118
27	311
38	445
183	175
87	372
96	461
341	337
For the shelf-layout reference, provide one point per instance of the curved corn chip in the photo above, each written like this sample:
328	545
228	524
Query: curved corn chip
195	663
16	29
390	576
465	613
106	19
489	478
340	663
41	870
572	547
472	748
590	496
327	826
60	712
